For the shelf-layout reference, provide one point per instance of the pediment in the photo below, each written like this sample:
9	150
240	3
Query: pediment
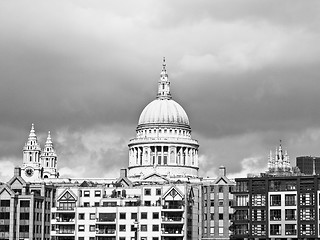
154	177
222	181
6	192
68	196
124	182
173	194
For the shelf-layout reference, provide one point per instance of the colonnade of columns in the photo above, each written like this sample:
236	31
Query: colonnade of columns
163	155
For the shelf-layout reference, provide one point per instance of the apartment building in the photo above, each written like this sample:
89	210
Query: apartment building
25	209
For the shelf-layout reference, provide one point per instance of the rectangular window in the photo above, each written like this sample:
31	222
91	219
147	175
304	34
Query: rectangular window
86	193
92	228
220	189
147	191
81	228
144	215
158	191
147	203
92	216
275	200
155	215
290	214
132	228
291	229
134	216
290	199
275	229
242	200
220	216
97	193
122	228
275	215
155	228
144	228
81	216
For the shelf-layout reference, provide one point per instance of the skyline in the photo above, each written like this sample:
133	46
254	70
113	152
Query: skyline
246	74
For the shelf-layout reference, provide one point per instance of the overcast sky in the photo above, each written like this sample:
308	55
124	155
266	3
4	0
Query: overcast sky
246	72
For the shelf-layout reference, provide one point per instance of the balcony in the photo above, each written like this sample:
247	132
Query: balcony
65	231
104	220
175	207
106	231
65	220
65	209
172	219
172	232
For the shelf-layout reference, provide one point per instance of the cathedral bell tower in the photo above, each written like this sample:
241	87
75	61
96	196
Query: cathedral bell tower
49	159
31	166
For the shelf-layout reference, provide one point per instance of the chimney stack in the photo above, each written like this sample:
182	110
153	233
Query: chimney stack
222	171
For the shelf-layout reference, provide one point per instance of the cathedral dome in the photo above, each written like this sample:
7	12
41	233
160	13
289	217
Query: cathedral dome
163	111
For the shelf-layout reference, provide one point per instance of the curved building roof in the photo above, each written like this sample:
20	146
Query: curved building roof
161	111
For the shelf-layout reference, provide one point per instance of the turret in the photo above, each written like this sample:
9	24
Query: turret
164	83
49	159
31	157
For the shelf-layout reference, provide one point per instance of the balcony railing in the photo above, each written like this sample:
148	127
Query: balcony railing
171	219
106	231
106	219
172	206
65	220
66	208
172	231
65	231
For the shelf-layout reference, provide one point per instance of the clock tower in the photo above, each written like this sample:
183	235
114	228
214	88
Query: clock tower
31	167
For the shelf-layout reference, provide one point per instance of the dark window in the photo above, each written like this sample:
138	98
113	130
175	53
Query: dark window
122	228
144	228
144	215
155	215
81	216
155	228
147	191
158	191
220	216
134	216
86	193
122	215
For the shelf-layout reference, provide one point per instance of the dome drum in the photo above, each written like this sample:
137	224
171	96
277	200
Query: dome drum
163	143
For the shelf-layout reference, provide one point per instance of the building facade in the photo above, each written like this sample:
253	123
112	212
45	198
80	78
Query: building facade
25	209
308	165
279	204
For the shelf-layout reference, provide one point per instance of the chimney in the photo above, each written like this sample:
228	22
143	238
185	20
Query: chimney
222	171
17	172
123	172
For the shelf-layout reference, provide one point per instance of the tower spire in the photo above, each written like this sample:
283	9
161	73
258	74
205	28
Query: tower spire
164	83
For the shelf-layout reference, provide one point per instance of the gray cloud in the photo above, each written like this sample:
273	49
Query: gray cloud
246	73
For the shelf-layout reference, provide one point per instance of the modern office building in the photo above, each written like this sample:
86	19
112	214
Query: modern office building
279	204
308	165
